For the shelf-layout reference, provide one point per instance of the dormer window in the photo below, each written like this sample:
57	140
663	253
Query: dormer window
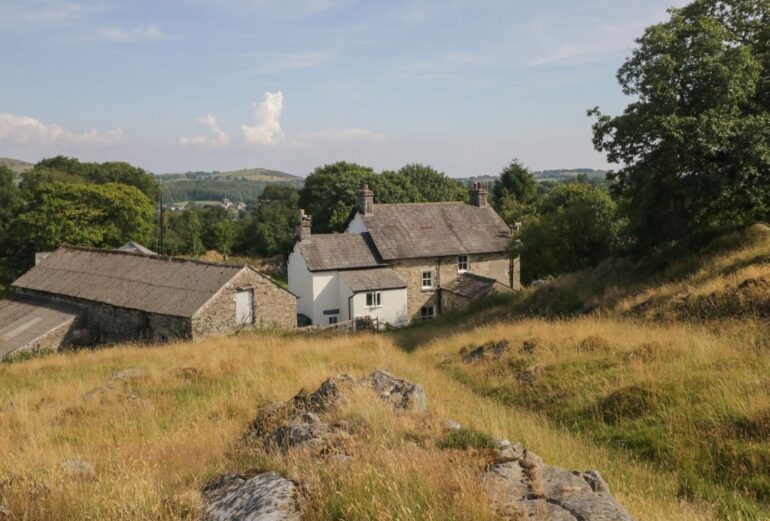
462	263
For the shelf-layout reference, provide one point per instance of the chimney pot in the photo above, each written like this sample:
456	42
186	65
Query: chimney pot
365	199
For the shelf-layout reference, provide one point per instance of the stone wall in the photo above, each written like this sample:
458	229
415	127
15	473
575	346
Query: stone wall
273	307
493	265
51	341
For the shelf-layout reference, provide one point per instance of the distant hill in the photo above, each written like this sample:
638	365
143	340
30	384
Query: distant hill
18	166
242	185
564	174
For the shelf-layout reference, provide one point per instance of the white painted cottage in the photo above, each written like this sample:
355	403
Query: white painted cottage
401	262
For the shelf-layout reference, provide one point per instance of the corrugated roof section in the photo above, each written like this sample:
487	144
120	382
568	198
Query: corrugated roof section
409	231
339	252
24	320
373	279
155	284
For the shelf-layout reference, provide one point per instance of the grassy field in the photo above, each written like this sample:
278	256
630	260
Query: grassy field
671	406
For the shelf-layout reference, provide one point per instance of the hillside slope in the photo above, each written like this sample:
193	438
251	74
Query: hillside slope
16	165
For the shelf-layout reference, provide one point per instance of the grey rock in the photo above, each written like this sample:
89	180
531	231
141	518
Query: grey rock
400	393
263	497
78	469
530	489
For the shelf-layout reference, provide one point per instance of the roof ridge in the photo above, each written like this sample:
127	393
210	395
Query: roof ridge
158	257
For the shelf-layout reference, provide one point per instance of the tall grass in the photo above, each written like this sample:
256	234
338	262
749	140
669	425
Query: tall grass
156	440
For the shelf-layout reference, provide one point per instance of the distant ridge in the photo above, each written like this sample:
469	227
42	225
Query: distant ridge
16	165
246	174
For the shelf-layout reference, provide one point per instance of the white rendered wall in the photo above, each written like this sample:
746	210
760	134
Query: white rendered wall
300	282
356	225
325	296
392	311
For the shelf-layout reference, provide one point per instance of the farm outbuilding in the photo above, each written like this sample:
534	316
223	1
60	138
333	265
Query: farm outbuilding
118	296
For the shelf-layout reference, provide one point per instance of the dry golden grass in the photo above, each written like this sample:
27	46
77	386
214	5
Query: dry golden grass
155	441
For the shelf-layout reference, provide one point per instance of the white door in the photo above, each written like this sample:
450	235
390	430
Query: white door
244	307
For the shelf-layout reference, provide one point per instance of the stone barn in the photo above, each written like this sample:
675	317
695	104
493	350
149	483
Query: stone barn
89	296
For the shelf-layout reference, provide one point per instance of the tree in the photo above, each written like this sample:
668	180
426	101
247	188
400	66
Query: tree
101	173
10	203
515	181
84	214
577	227
695	144
432	185
217	229
270	229
329	194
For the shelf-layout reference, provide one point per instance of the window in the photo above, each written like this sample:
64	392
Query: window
333	320
374	299
428	313
462	263
427	280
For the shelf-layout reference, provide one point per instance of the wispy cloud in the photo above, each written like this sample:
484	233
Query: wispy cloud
25	130
219	137
46	12
141	33
266	129
285	8
272	62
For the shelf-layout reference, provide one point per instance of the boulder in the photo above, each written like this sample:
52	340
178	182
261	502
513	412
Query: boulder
78	469
400	393
520	484
261	497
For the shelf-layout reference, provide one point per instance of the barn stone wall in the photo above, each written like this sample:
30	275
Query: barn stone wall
273	307
51	341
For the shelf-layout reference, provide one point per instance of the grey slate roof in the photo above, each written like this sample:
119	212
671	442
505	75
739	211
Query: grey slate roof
372	279
470	286
408	231
135	247
155	284
24	320
339	251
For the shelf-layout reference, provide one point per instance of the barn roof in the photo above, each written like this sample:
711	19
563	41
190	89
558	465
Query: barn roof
339	251
24	320
154	284
470	286
408	231
372	279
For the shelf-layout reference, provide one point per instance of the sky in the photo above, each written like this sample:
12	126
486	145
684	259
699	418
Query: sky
178	85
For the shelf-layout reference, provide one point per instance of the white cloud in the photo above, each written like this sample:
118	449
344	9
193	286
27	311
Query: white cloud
142	33
24	130
344	135
219	138
266	129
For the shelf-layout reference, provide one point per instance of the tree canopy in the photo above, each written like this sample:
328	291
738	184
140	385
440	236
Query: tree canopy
695	144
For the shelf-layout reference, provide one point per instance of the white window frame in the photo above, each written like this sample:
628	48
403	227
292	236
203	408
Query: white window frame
431	276
374	299
333	319
463	263
427	316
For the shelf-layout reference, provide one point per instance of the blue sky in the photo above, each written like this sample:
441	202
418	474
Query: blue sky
176	85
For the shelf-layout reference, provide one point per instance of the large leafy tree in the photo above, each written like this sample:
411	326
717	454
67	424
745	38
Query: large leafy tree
577	227
270	228
694	145
329	194
10	203
432	185
514	192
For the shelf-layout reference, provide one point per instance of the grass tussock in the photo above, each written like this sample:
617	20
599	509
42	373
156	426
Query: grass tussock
682	397
156	439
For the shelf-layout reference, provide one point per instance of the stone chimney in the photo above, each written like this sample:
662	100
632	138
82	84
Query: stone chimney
365	200
479	195
304	226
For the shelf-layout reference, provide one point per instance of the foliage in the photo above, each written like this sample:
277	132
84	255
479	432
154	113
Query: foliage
329	194
432	185
270	228
695	143
515	182
465	438
577	226
216	188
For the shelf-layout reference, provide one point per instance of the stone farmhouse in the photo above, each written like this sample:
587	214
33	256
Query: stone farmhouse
402	262
80	296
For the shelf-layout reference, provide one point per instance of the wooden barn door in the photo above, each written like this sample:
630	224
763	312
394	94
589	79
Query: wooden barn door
244	307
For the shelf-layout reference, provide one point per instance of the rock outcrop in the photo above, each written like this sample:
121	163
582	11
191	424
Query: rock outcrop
520	484
262	497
